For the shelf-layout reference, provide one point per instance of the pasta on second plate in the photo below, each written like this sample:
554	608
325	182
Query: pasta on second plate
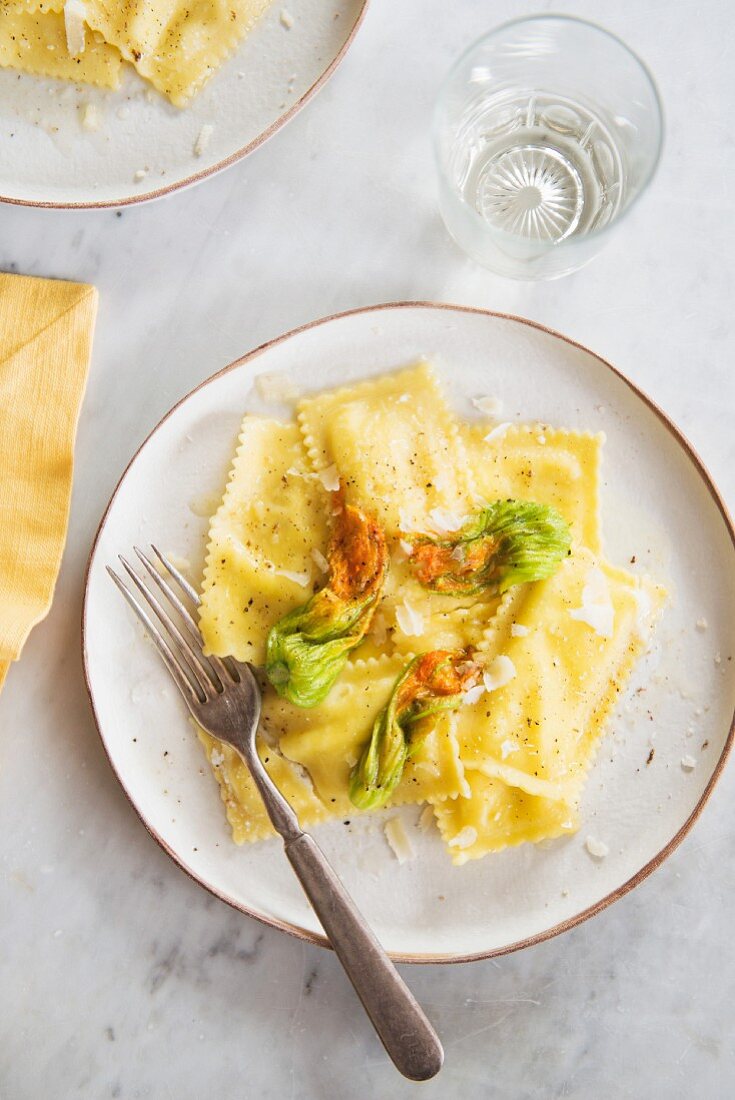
173	44
490	650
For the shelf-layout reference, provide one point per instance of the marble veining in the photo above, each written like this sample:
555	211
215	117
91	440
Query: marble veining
120	976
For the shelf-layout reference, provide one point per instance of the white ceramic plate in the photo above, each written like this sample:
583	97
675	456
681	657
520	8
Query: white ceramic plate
47	158
659	507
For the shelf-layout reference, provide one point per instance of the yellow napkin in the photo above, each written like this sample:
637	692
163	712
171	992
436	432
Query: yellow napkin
46	329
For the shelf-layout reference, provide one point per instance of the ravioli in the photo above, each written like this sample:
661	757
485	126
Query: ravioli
539	731
495	815
395	445
175	44
507	766
547	465
34	41
327	739
266	541
244	807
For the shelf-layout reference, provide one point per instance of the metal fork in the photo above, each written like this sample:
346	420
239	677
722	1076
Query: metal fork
223	696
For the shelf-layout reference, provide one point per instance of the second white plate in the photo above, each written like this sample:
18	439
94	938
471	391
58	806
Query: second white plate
660	514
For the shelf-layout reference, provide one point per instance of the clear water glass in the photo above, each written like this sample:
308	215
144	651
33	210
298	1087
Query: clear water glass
547	131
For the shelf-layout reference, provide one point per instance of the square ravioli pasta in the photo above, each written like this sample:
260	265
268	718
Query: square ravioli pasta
175	44
505	764
33	39
394	444
566	646
266	541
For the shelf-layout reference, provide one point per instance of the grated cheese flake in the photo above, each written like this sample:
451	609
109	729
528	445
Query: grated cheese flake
597	610
688	763
275	385
90	117
596	848
473	694
497	432
399	840
490	406
410	621
444	521
203	139
74	13
498	673
518	630
319	560
329	478
464	839
304	579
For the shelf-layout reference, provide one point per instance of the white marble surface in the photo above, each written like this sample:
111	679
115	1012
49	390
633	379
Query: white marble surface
119	976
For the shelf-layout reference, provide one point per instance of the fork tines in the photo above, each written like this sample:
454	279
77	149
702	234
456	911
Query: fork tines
179	642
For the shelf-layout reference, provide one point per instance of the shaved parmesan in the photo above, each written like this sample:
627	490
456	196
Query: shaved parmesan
459	553
304	579
202	141
444	521
329	478
643	607
688	763
406	547
597	610
405	522
319	560
90	117
426	820
464	839
499	672
379	629
490	406
497	433
74	14
517	630
596	848
275	385
507	748
410	621
473	694
399	840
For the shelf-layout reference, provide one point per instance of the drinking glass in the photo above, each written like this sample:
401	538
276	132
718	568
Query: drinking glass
546	131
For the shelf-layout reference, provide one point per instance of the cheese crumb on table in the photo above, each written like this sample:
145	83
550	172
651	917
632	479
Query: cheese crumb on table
286	19
688	763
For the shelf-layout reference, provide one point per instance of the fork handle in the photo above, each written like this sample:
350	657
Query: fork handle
404	1030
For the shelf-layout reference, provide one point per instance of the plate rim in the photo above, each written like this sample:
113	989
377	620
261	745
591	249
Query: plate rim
220	165
313	937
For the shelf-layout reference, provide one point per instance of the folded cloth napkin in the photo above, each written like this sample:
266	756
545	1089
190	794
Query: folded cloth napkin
46	328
